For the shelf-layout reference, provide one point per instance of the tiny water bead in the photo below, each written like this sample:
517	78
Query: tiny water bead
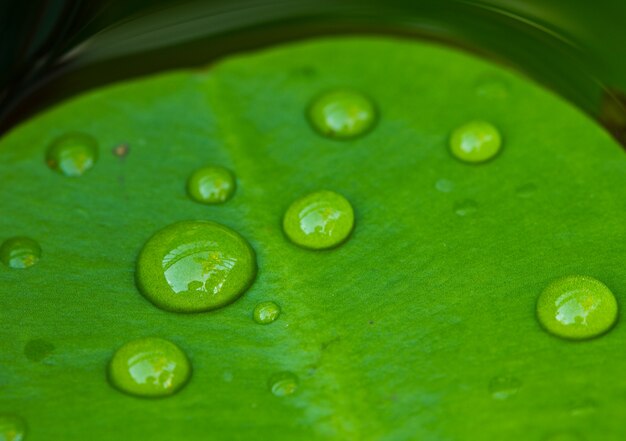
20	252
12	428
149	367
504	387
342	114
466	207
444	185
282	384
72	154
577	307
475	142
194	266
211	185
526	191
266	312
319	220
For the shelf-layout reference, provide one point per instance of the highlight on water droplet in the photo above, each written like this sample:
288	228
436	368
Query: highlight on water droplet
20	252
283	383
12	428
475	142
149	367
319	220
194	266
342	114
72	154
466	207
211	185
577	307
503	387
38	349
266	312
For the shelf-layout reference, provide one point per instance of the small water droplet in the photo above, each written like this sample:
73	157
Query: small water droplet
283	384
492	87
342	114
577	307
583	407
475	142
504	387
444	185
194	266
466	207
319	220
38	349
211	185
72	154
266	312
12	428
149	367
526	190
20	252
564	436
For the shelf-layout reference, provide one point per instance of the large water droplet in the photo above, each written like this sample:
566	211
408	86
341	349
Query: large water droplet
266	312
466	207
20	252
12	428
211	185
72	154
504	387
475	142
319	220
342	114
283	383
577	307
194	266
38	349
149	367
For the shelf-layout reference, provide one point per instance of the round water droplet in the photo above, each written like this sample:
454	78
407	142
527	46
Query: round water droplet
283	384
444	185
38	349
526	190
475	142
466	207
504	387
577	307
72	154
266	312
342	114
20	252
194	266
149	367
12	428
211	185
319	220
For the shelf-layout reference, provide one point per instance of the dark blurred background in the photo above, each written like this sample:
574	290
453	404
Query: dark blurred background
54	49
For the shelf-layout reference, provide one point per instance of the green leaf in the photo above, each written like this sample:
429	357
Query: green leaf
421	326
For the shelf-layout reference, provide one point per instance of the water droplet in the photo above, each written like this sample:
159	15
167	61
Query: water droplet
72	154
564	436
466	207
266	312
211	185
526	190
38	349
475	142
20	252
283	384
577	307
342	114
492	87
149	367
194	266
504	387
444	185
319	220
583	407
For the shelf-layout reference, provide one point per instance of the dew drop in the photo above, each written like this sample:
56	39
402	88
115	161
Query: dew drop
283	384
319	220
492	87
466	207
194	266
526	190
38	349
211	185
149	367
577	307
583	407
72	154
266	312
20	252
504	387
12	428
475	142
342	114
444	185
